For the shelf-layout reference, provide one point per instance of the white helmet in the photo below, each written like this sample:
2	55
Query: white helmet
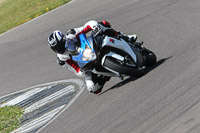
57	42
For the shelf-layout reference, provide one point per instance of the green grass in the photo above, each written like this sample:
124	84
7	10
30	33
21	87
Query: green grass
16	12
9	118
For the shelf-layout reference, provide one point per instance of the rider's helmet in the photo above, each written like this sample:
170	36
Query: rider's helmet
57	42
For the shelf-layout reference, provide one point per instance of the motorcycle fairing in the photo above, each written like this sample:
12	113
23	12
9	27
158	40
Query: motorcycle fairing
120	44
84	44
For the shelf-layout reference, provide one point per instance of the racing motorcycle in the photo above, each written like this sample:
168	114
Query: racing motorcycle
113	57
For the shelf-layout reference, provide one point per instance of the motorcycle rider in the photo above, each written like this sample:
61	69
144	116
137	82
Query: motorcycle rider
66	45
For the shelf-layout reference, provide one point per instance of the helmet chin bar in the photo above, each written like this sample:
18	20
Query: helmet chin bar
56	42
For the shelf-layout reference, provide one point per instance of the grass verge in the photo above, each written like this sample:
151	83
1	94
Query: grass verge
9	118
16	12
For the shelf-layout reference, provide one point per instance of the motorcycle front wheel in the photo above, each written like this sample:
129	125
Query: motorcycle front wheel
149	57
115	65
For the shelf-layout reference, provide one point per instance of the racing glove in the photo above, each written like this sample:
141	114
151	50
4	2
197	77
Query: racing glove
60	62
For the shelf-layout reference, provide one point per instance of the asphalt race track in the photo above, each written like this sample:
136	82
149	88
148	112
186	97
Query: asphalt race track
166	100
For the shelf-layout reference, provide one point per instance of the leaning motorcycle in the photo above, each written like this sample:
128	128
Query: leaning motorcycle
113	57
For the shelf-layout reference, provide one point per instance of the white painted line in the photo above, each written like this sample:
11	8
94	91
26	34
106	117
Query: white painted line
50	98
24	96
76	81
38	122
81	87
47	118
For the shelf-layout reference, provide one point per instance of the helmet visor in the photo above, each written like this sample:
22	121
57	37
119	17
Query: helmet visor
72	48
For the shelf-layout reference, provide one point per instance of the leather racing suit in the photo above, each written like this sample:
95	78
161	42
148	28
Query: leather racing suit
65	60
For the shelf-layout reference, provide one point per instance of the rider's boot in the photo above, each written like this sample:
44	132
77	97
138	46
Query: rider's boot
129	38
132	38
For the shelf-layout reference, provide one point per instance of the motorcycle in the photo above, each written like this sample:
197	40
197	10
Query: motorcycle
113	57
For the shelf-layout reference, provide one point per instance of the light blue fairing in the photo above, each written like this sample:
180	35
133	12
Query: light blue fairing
78	58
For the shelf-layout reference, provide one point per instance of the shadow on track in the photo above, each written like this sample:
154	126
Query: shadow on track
158	63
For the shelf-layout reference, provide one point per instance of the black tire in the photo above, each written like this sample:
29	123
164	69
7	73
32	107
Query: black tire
122	69
150	58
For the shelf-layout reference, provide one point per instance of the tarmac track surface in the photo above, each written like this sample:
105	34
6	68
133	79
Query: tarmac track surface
166	100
